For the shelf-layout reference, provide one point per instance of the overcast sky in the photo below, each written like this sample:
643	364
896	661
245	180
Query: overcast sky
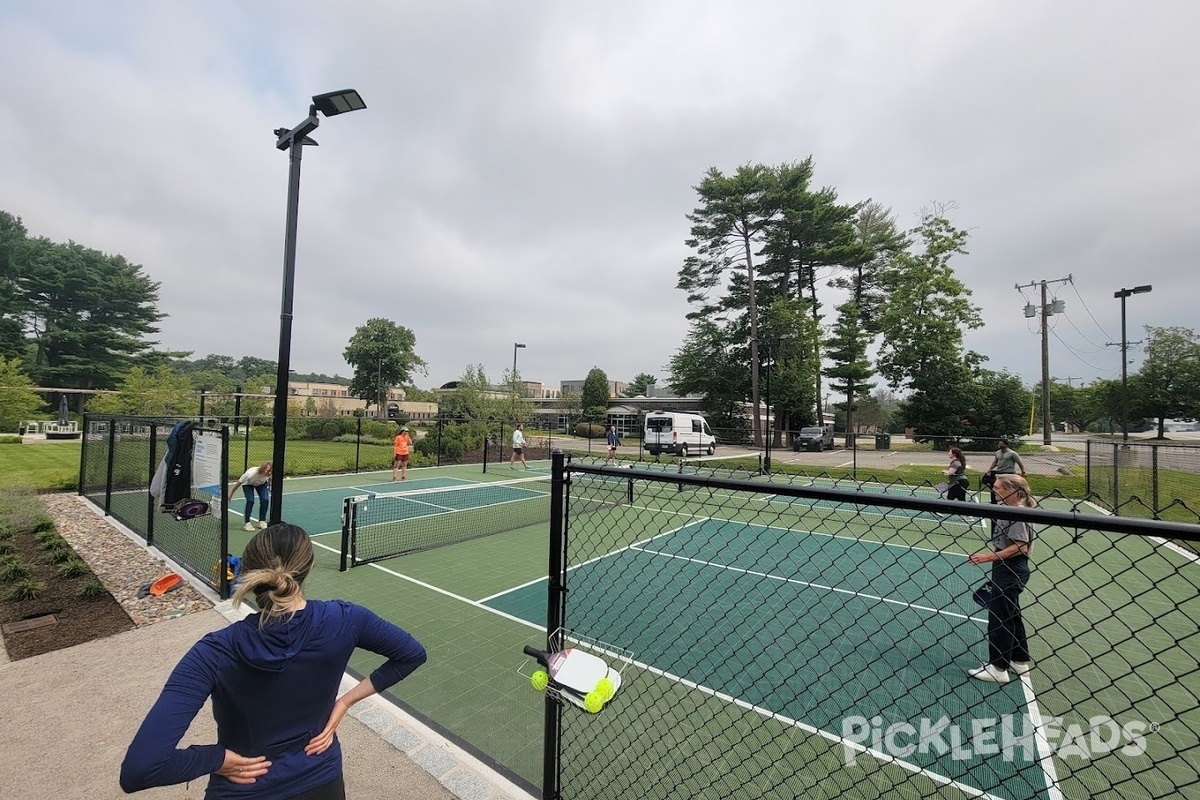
523	169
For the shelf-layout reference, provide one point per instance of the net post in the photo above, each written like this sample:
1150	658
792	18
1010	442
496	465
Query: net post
347	505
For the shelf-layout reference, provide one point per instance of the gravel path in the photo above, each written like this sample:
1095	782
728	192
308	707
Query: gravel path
123	565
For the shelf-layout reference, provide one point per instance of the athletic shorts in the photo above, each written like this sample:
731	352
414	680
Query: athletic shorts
517	451
400	459
334	790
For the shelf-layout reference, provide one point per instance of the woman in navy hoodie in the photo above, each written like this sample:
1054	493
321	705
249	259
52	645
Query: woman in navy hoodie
273	679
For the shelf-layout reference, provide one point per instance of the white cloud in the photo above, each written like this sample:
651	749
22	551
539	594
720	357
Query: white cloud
523	170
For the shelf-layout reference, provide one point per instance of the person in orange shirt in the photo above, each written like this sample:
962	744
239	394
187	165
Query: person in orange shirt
404	444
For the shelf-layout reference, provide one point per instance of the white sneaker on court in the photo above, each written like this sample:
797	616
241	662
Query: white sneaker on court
249	526
989	673
262	524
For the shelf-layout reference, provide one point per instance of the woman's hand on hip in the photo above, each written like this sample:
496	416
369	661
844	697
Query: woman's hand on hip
241	769
321	742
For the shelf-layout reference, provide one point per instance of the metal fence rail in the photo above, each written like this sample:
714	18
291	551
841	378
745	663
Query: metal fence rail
814	639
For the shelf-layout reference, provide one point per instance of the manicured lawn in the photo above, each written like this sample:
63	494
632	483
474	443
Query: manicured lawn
41	466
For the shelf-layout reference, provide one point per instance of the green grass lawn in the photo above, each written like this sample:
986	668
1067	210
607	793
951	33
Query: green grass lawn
45	466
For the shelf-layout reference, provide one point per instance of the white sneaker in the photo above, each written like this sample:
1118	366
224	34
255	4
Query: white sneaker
249	526
1021	667
262	524
989	673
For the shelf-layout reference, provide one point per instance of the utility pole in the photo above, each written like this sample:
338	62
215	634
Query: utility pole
1046	311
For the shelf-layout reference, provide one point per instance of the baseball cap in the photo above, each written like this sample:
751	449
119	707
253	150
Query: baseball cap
403	427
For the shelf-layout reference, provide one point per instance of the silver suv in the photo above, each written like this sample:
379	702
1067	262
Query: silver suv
813	438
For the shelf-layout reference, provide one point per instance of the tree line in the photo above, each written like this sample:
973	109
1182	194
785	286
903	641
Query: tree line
768	250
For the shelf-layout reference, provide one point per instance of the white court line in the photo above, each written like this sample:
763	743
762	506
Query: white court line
811	585
1045	752
592	560
476	603
764	712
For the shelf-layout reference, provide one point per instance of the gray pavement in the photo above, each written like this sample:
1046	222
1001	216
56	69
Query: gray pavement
66	718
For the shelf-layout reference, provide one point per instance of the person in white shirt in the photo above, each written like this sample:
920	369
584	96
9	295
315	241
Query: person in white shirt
256	480
518	447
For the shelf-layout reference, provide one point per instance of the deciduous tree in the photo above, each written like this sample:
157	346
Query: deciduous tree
18	401
382	355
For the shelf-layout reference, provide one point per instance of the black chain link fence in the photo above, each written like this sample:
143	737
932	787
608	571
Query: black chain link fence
815	638
1145	479
118	462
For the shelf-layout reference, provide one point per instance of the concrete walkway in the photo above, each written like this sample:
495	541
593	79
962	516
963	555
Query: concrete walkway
66	718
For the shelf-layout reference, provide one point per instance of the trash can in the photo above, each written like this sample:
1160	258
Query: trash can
883	441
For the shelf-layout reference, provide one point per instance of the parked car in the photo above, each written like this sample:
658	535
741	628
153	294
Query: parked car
813	438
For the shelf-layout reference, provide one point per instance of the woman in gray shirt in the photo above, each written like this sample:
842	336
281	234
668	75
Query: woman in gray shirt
1008	646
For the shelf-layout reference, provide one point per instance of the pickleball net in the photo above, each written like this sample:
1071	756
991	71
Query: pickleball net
380	526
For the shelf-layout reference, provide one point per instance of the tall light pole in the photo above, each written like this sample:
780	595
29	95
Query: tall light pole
330	104
516	346
1122	294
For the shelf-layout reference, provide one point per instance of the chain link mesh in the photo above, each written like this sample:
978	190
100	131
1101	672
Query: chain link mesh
815	638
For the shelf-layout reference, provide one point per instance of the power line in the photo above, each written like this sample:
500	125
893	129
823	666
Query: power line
1089	311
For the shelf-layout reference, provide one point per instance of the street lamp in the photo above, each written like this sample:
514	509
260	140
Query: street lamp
1122	294
330	104
516	346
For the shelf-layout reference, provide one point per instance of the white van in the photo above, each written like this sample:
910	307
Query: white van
678	432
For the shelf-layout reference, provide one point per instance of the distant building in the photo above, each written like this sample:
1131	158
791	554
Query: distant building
335	400
615	388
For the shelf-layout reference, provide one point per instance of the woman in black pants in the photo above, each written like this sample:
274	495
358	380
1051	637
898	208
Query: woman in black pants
957	471
1008	646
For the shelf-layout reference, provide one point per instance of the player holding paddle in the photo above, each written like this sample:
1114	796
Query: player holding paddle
402	447
518	448
1012	540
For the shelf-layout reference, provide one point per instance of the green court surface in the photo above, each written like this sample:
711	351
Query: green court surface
798	632
906	632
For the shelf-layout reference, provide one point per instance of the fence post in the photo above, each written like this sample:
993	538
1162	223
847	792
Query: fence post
151	500
1116	479
358	445
83	448
223	592
1154	478
556	597
246	448
487	440
1087	468
439	441
108	478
